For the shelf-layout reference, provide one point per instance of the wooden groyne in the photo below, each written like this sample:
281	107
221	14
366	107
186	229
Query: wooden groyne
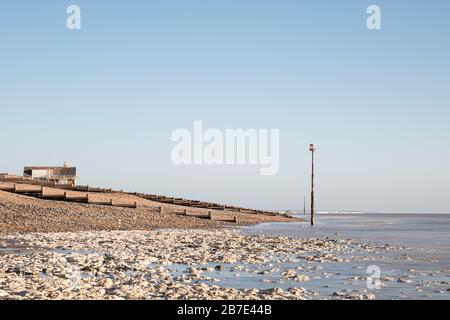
40	189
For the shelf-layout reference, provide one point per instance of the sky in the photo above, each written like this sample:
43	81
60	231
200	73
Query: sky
107	98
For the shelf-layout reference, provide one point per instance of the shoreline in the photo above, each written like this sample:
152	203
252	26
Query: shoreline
197	264
74	251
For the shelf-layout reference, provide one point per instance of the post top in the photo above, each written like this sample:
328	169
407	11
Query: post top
312	147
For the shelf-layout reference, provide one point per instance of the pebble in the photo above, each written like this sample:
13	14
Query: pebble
139	264
3	294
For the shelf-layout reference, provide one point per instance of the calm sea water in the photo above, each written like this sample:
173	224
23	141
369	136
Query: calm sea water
429	233
422	256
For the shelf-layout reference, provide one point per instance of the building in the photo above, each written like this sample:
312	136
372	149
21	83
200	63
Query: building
60	175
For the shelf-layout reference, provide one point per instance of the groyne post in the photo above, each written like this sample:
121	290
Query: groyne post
312	148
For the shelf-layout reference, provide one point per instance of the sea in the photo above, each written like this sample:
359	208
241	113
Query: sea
417	266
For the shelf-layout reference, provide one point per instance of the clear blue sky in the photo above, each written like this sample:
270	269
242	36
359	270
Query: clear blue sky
106	98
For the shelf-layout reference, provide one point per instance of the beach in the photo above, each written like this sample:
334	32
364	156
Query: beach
63	250
165	264
21	213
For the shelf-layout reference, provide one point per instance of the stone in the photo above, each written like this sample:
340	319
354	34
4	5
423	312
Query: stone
106	282
3	294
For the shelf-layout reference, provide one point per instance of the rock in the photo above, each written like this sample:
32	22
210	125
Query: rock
3	294
106	282
370	296
193	271
400	280
301	277
147	264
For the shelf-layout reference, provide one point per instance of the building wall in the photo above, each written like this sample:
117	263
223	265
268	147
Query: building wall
40	174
